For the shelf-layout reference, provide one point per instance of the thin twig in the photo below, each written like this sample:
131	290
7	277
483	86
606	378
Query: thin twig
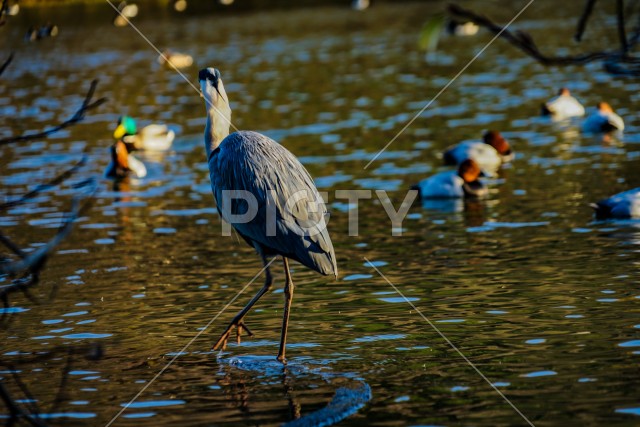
582	22
12	246
6	63
3	10
78	116
43	187
635	36
622	34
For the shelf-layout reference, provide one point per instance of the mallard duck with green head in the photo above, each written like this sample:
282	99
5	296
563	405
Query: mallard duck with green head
154	137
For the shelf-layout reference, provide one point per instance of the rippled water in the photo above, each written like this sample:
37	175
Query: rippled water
541	298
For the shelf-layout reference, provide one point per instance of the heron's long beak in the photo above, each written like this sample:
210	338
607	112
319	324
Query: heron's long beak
216	87
119	132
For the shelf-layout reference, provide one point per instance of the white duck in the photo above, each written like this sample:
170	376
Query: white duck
603	120
453	184
625	205
468	28
177	59
123	163
563	106
125	12
360	4
488	154
154	137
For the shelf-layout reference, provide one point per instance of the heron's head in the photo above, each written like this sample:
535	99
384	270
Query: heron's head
126	126
469	171
497	141
211	85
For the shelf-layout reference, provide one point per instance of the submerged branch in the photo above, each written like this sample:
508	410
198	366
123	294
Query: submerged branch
15	411
26	408
78	116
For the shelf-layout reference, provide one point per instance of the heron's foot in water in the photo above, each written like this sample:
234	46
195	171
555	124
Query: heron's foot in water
240	326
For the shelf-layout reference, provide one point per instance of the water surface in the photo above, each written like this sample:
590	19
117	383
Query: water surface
542	299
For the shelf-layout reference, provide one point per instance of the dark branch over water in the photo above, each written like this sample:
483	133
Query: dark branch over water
78	116
525	42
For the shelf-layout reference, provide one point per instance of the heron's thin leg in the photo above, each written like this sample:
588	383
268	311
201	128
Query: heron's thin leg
288	296
237	320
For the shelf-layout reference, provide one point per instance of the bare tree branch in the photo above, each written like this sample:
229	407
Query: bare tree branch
34	260
525	42
78	116
43	187
27	268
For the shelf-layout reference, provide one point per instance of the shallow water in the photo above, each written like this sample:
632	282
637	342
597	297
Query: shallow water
542	299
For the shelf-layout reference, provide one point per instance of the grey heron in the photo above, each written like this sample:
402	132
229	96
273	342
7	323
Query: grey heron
253	163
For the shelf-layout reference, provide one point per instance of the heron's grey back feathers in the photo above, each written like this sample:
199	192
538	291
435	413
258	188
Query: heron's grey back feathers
252	162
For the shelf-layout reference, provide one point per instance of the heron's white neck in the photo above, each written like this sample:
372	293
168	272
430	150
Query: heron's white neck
218	120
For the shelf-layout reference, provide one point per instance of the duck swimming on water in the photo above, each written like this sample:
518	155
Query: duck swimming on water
563	106
489	154
454	184
154	137
124	163
625	205
603	119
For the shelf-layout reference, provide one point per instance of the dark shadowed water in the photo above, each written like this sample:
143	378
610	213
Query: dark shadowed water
543	300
